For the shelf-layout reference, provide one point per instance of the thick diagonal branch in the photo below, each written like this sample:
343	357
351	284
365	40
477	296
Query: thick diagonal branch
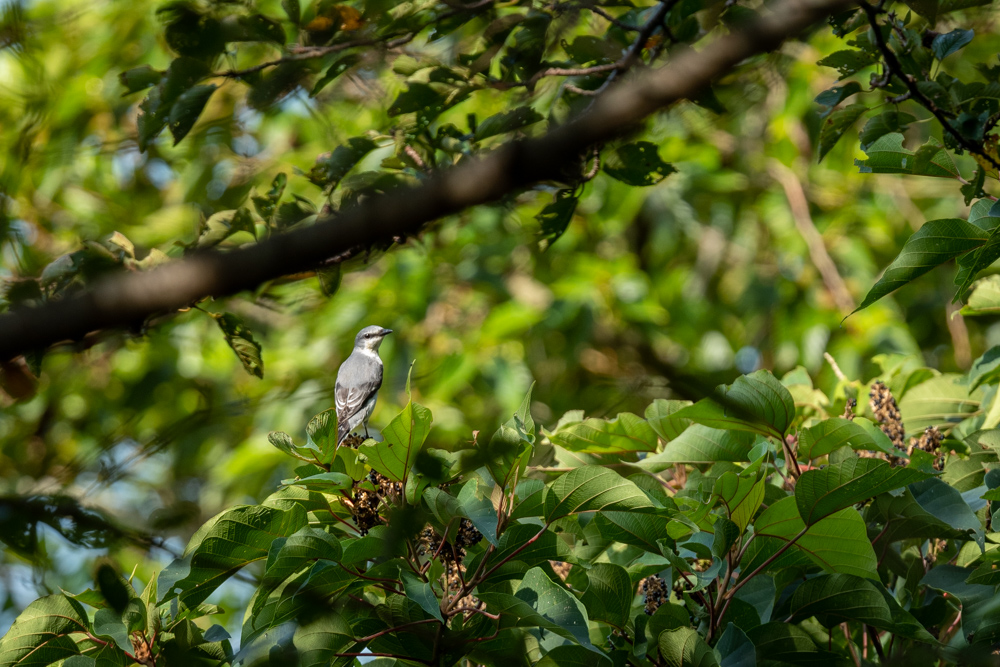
127	299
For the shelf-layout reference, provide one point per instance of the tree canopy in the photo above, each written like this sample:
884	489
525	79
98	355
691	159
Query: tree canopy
660	389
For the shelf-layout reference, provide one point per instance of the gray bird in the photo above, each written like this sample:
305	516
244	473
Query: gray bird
358	382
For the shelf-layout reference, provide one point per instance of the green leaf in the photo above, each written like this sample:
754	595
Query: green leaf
108	624
835	598
287	555
741	495
139	78
637	164
340	66
318	642
883	124
941	401
887	156
546	545
591	488
267	204
40	634
701	444
509	448
836	125
757	402
625	433
608	597
231	540
820	493
660	415
420	592
404	436
641	530
684	647
284	442
476	505
569	655
186	110
832	434
984	369
948	43
787	644
849	61
330	168
538	602
507	121
936	242
984	298
834	96
242	341
926	8
156	109
555	217
838	543
735	648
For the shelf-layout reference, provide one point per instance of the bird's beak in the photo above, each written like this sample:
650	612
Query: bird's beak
386	332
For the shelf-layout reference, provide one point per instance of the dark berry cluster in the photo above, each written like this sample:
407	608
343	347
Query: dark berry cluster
886	413
930	442
467	534
385	486
849	408
654	593
365	513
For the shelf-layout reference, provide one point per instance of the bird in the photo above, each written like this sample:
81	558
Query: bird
358	382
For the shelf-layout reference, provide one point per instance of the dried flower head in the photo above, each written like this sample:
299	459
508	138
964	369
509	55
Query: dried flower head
385	486
930	442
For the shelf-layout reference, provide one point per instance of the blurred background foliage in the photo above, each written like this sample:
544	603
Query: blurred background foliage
708	272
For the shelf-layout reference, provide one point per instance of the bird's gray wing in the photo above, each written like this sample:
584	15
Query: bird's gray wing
358	378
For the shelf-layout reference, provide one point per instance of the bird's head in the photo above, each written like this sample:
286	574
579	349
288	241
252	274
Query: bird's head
371	337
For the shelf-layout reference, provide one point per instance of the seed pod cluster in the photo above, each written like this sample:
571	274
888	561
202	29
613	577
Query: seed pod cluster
561	568
654	593
886	413
930	442
353	441
385	486
365	513
451	552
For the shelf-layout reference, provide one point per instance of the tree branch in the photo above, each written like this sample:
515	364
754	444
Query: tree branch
896	69
127	299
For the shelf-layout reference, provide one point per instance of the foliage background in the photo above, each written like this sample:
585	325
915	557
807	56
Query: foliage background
705	272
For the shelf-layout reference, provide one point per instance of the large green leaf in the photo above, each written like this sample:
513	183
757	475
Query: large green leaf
475	503
832	434
420	592
886	155
904	517
820	493
835	598
288	555
507	121
637	164
318	642
538	602
609	596
838	543
591	488
235	538
984	298
641	530
41	633
741	495
684	647
660	415
936	242
701	444
403	437
516	543
757	402
624	433
941	401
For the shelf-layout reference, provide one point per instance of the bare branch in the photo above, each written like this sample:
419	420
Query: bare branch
127	299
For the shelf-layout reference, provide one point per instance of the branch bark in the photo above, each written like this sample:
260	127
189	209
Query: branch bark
126	300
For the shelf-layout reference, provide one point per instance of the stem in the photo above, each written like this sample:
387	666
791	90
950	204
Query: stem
876	642
396	629
785	547
850	645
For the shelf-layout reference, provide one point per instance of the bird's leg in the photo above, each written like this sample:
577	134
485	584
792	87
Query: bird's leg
366	431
